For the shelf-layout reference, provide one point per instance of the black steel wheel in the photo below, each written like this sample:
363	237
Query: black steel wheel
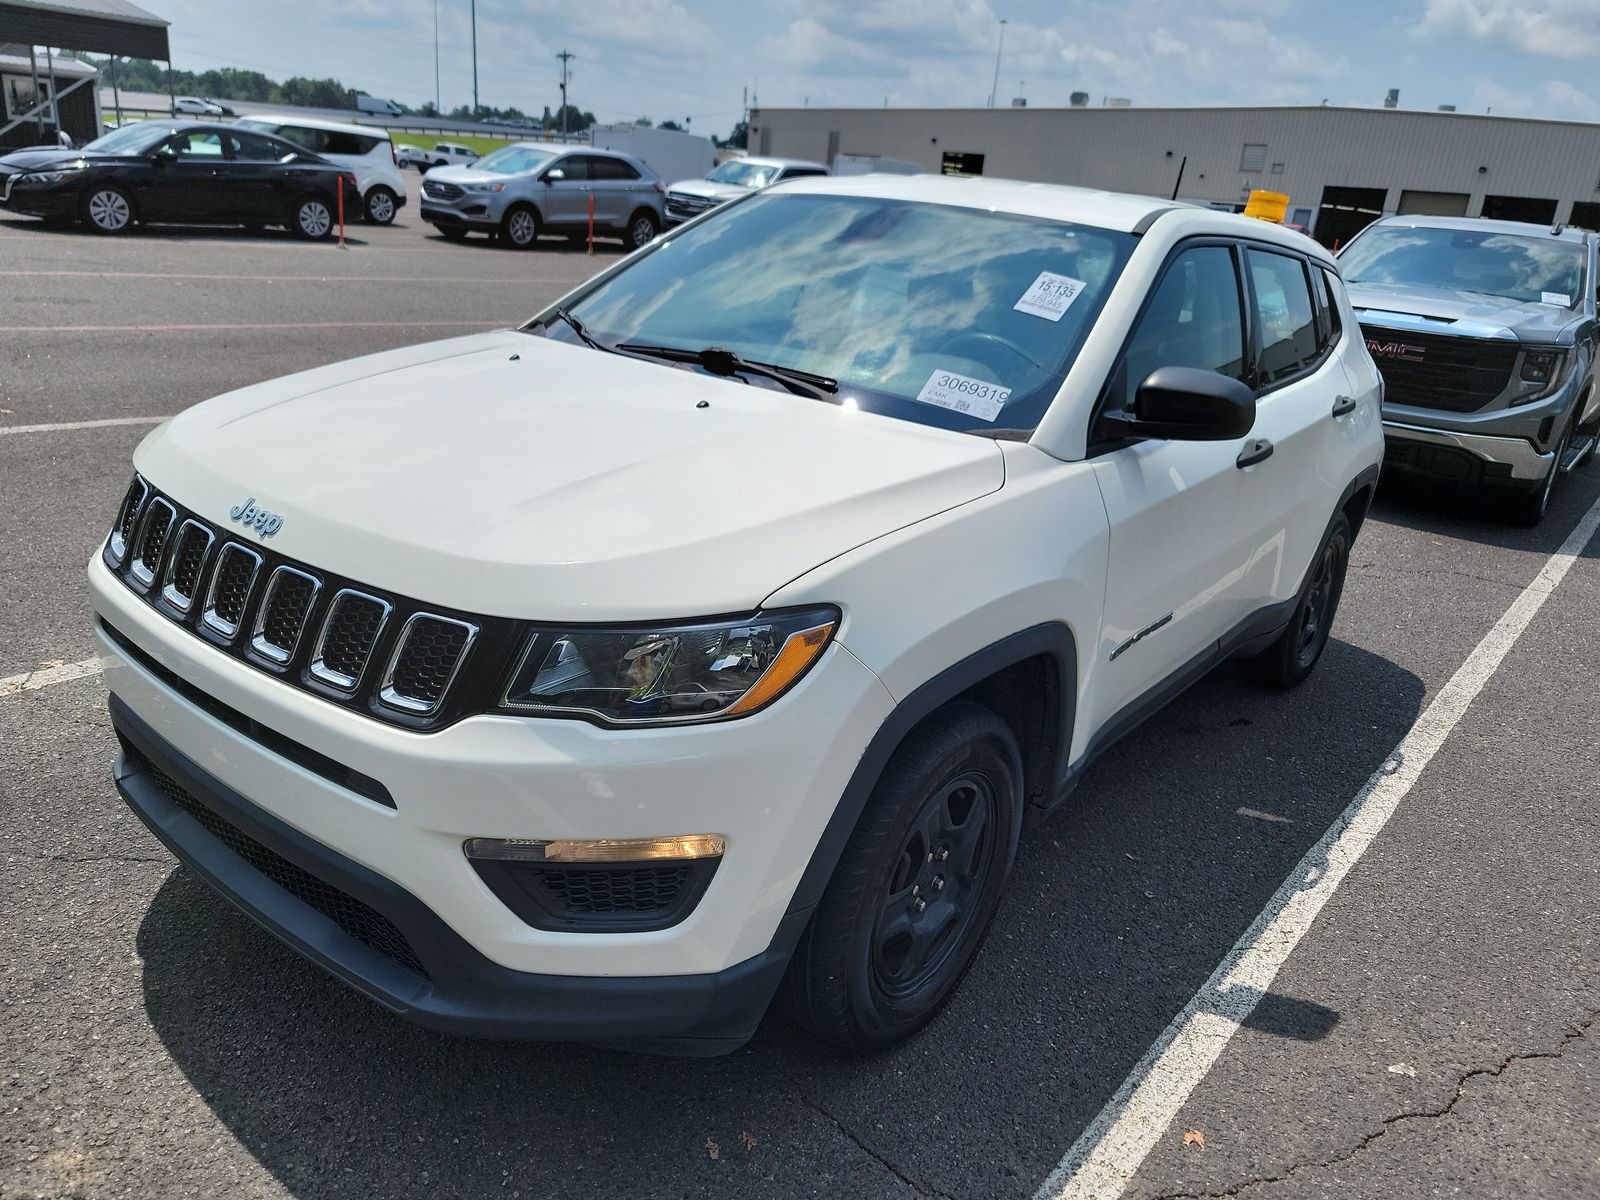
916	886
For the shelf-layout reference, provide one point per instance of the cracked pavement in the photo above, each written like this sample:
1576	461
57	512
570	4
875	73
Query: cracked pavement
1432	1035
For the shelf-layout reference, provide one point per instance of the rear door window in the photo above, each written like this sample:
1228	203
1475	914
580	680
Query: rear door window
250	148
610	168
1285	316
574	166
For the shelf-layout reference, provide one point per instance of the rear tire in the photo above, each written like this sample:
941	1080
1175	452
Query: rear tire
381	206
916	887
519	228
108	210
642	229
312	218
1290	659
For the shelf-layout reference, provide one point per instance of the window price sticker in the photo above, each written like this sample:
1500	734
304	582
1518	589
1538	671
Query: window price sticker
960	394
1050	296
1559	299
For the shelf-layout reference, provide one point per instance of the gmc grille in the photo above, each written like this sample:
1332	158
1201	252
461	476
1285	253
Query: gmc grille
383	655
1430	370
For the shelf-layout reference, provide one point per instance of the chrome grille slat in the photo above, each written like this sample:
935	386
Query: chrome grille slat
283	612
127	518
151	542
426	658
348	636
228	598
190	547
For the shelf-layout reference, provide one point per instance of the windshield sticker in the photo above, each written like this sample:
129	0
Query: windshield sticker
1559	299
1050	296
963	395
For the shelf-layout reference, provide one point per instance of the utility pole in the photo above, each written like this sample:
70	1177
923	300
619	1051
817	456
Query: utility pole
436	101
1001	49
565	56
474	60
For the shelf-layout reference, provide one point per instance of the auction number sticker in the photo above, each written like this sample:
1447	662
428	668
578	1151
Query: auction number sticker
1559	299
963	395
1050	296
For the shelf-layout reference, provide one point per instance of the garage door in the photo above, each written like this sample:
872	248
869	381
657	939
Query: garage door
1434	204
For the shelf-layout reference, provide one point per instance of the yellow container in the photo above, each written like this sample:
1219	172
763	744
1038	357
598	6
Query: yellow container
1267	206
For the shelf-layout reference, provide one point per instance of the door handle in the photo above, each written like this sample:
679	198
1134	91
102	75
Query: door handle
1343	406
1255	450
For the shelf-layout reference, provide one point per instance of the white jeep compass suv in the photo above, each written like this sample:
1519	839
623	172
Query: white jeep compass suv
711	637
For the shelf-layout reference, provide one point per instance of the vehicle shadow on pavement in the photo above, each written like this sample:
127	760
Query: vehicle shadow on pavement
1119	909
1473	515
180	233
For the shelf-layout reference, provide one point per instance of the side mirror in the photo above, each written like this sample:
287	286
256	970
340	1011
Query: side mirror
554	174
163	154
1188	404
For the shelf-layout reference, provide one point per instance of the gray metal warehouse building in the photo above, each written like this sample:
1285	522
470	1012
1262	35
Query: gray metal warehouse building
1340	167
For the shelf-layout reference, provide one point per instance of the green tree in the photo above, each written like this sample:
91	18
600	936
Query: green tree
670	125
739	139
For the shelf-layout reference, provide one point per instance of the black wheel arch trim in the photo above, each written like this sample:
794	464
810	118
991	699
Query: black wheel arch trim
1052	639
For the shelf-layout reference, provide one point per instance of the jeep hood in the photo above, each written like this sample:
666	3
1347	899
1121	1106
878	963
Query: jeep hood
511	475
1475	314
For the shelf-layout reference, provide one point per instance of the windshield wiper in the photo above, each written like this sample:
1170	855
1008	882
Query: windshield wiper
584	336
728	363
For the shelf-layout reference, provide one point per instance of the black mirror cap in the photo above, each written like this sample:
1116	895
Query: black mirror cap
1188	404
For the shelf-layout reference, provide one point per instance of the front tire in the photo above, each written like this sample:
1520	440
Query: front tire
381	206
519	228
916	886
1290	659
108	210
312	218
1529	507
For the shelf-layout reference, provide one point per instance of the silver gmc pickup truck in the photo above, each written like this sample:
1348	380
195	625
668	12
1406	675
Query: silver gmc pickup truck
1486	334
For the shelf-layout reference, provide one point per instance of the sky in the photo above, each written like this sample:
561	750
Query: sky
694	58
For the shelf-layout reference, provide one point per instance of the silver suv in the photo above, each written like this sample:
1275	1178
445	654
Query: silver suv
1485	332
529	188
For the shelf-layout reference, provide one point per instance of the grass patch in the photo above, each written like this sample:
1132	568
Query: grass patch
483	145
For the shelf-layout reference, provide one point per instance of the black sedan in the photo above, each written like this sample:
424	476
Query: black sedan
183	173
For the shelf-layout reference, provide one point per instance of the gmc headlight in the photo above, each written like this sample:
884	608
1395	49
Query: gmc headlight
669	673
483	187
1543	372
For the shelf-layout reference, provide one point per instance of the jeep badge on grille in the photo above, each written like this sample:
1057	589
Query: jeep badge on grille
263	522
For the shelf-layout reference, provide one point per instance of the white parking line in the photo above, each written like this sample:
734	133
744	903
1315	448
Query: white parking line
48	675
101	424
1102	1161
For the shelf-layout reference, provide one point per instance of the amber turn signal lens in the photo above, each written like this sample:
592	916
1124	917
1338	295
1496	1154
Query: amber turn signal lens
597	850
799	651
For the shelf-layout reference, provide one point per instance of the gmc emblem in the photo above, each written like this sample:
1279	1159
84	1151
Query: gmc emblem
1403	351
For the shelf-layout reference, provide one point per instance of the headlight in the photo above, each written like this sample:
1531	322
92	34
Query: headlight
483	187
49	176
1543	371
669	673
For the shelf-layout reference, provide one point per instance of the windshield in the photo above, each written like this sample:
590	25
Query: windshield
745	174
1516	266
956	317
514	160
131	139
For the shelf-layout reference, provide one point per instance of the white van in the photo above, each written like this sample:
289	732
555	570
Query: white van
365	150
378	106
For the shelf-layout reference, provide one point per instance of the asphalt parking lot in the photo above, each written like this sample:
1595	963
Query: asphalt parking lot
1430	1033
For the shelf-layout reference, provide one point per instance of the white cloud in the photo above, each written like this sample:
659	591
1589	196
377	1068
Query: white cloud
1557	100
1552	28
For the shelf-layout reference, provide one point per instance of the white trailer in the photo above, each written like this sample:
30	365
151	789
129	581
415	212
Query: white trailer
671	154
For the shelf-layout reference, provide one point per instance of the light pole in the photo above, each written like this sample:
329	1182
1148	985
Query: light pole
999	50
474	60
436	58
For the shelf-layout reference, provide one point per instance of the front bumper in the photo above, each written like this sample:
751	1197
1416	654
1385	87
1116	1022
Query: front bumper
386	944
56	203
1477	454
768	783
470	210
